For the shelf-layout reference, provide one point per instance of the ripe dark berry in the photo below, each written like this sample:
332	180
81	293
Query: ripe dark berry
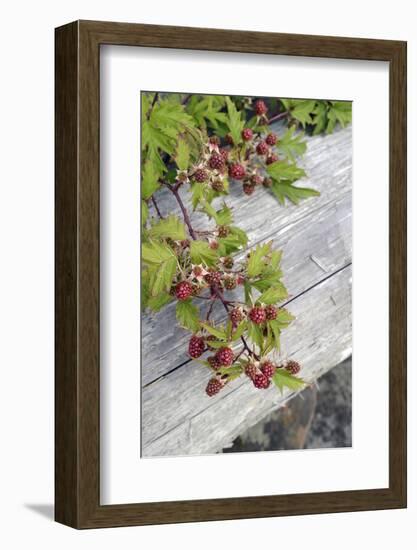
214	386
293	367
214	140
229	283
271	139
236	316
257	315
229	139
228	262
200	175
268	368
183	290
256	179
248	188
262	148
237	171
216	161
217	185
247	134
196	346
271	313
213	277
251	371
260	107
270	159
214	362
267	182
225	356
261	381
223	230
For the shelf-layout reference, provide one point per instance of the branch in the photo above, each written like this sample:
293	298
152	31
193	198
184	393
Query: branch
174	191
156	207
278	117
155	99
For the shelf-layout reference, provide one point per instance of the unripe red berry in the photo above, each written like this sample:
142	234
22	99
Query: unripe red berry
262	148
256	179
236	316
229	283
197	271
225	356
213	277
200	175
237	171
261	381
293	367
268	368
267	182
260	107
196	346
228	262
214	386
214	245
225	154
216	161
271	313
270	159
257	315
271	139
183	290
214	362
247	134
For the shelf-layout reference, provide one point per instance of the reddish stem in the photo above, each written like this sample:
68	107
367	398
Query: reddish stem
174	191
278	117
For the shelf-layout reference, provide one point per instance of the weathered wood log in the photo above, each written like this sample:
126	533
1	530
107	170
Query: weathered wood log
315	236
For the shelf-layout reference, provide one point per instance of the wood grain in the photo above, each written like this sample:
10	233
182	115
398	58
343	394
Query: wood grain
77	268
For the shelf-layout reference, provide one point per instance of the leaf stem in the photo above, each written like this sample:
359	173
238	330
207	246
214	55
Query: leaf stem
279	116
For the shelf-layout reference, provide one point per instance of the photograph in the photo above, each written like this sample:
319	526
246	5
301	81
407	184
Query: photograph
246	273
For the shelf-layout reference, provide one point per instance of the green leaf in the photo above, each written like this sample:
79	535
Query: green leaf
283	379
234	121
170	227
284	318
268	279
201	253
273	295
255	263
339	111
149	180
302	110
161	276
144	212
187	315
155	303
218	333
283	190
292	146
240	329
232	372
224	216
197	193
182	154
320	117
284	171
154	252
255	334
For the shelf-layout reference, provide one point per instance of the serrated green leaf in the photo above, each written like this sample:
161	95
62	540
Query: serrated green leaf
284	318
201	253
162	275
150	177
255	334
144	212
255	263
187	315
154	252
283	190
155	303
274	334
284	171
268	278
182	154
320	117
292	146
197	193
302	109
339	111
224	216
170	227
273	294
232	372
218	333
283	379
234	121
240	329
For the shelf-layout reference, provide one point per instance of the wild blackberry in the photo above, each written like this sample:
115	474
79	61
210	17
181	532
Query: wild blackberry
261	381
216	161
267	182
257	315
214	362
225	154
247	134
251	371
214	386
236	316
271	313
260	107
262	148
229	283
229	139
248	188
197	271
268	368
183	290
256	179
223	230
271	139
217	185
293	367
270	159
228	262
237	171
196	346
225	356
200	175
213	277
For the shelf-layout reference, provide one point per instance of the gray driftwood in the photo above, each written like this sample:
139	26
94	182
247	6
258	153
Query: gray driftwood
315	236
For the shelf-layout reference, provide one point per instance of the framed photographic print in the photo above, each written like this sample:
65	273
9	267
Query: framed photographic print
230	274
